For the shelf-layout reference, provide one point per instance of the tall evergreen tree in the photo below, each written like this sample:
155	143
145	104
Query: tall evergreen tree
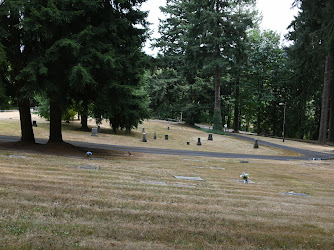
204	33
18	51
313	35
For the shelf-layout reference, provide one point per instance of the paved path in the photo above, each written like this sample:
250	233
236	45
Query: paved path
307	154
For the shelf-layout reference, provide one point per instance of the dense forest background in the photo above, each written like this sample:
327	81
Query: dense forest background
215	66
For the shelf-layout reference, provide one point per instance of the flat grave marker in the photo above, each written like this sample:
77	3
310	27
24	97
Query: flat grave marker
192	160
242	181
154	182
188	178
183	185
196	167
17	156
296	194
217	168
88	167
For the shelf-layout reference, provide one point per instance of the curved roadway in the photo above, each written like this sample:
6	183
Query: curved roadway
307	154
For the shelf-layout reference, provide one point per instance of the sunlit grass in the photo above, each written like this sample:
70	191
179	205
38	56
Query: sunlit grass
47	202
178	136
135	202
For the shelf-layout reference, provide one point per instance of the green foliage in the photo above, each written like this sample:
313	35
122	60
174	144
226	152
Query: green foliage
198	40
312	37
44	109
264	84
4	100
217	120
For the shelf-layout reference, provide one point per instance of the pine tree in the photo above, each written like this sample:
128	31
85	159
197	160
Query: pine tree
201	34
17	49
313	35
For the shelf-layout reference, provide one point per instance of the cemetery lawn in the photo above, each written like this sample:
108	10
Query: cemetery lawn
135	202
53	198
178	135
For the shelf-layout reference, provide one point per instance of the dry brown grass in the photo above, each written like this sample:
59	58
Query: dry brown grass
48	203
178	136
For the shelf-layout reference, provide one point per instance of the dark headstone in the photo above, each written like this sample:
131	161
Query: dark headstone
199	142
210	138
34	123
256	145
168	128
188	143
98	129
243	161
166	137
155	136
144	138
143	130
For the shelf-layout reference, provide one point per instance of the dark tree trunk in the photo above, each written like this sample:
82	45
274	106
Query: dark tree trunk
27	132
84	119
217	89
228	124
217	119
84	122
325	101
275	121
236	107
258	122
331	111
55	121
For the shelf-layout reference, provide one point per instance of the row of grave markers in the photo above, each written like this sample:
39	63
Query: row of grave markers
95	132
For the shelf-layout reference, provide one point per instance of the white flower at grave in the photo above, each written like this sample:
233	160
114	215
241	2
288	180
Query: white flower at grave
244	176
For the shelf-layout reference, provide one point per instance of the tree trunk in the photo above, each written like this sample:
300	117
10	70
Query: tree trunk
228	124
325	101
236	107
27	132
258	122
217	119
55	121
217	89
84	118
331	111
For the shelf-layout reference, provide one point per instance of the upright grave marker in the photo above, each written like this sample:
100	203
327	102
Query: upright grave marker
144	138
94	131
256	144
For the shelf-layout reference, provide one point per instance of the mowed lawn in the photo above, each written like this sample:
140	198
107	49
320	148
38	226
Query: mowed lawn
54	201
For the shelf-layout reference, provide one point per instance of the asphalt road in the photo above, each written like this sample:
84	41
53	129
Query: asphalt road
307	154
